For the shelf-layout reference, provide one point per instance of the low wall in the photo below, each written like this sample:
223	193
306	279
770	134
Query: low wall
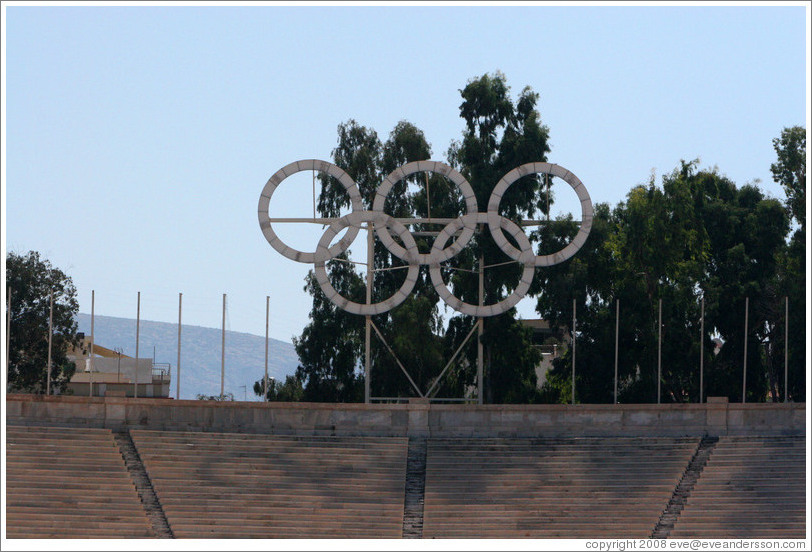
418	418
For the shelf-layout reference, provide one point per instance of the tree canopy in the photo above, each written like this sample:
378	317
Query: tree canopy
31	281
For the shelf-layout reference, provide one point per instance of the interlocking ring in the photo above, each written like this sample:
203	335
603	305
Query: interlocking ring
276	180
526	257
425	166
384	225
543	168
378	220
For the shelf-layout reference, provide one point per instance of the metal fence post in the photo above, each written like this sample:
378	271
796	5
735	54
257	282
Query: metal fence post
573	351
137	341
702	350
786	349
177	375
223	353
8	330
267	318
617	333
92	336
368	319
50	341
659	349
744	369
480	363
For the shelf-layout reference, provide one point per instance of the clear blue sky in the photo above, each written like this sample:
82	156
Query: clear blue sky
138	139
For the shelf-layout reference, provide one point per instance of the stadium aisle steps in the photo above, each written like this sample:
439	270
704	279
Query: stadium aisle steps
150	502
415	489
683	490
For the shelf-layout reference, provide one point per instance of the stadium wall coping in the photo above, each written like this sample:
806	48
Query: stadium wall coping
417	418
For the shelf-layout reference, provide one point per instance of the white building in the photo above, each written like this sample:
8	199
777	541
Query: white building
112	373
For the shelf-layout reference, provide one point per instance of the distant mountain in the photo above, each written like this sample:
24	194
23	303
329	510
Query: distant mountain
200	354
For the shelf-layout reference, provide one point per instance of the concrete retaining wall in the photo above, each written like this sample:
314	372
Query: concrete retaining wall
416	418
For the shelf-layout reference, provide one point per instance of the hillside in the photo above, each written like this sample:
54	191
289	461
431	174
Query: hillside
200	354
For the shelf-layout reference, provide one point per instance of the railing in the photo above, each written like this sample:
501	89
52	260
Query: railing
433	400
161	371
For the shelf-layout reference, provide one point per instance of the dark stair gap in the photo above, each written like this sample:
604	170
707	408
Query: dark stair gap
152	507
415	489
683	489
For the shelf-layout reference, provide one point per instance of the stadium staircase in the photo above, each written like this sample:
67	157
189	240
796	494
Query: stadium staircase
752	487
684	488
143	485
260	486
69	483
415	489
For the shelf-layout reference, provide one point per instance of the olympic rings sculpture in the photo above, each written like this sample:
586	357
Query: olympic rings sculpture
385	225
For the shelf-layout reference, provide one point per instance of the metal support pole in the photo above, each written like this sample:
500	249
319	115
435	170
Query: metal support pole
702	350
391	352
50	341
92	335
573	351
137	341
744	369
659	350
617	333
480	365
267	319
451	361
368	325
177	374
786	349
223	352
428	196
8	329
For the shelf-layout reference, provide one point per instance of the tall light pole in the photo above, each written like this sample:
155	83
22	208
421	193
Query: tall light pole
267	318
786	349
223	352
92	335
177	375
50	341
617	333
660	350
573	351
8	329
702	350
744	369
137	341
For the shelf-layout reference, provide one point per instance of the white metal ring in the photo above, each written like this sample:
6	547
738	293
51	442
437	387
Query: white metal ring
355	219
425	166
526	257
587	212
276	180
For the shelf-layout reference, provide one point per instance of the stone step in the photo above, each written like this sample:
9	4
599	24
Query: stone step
193	504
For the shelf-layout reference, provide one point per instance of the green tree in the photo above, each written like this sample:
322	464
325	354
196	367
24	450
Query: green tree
31	280
790	171
697	235
291	390
499	135
223	397
332	342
